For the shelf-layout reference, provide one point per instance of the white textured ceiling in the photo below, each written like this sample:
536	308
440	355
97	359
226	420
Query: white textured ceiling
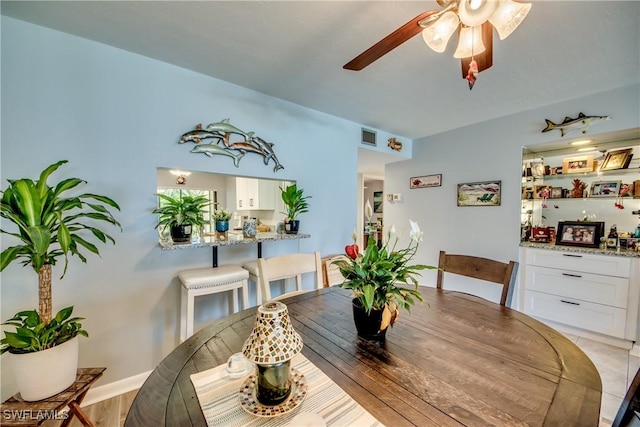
295	50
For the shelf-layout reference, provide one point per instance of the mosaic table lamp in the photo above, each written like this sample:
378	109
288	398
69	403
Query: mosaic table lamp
271	346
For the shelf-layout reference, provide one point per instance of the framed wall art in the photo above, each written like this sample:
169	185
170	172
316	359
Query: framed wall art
485	193
605	188
577	164
425	181
618	159
580	233
377	201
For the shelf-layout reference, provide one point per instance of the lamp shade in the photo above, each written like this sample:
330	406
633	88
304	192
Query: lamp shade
437	35
508	16
470	42
273	339
476	12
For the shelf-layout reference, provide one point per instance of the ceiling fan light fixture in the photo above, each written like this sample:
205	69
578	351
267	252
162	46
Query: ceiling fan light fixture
470	42
437	35
508	16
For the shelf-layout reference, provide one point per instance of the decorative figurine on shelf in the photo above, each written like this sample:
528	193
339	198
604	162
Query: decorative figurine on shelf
578	188
544	194
624	191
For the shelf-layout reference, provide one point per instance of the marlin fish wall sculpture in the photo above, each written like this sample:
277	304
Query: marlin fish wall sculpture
222	131
580	123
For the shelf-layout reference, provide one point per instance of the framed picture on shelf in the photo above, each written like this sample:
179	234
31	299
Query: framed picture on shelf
485	193
580	233
618	159
539	189
578	164
556	192
605	188
527	193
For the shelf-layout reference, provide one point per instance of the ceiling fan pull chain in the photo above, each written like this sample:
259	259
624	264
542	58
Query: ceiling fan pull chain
472	74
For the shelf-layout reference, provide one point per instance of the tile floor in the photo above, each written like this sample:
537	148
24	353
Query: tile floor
617	369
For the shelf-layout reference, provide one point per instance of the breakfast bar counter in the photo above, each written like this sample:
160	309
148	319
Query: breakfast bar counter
229	239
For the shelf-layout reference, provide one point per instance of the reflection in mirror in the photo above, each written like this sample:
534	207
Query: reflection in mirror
244	197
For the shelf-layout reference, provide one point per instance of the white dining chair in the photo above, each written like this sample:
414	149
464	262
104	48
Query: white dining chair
288	266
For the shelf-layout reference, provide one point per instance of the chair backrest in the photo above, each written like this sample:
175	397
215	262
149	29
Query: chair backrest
331	275
287	266
480	268
630	406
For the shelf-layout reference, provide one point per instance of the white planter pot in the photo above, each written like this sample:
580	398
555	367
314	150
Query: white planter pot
44	373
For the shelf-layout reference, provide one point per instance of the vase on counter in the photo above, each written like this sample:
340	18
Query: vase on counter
222	226
249	228
292	226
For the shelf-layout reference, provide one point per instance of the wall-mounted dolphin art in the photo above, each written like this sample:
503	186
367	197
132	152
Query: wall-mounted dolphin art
221	132
580	123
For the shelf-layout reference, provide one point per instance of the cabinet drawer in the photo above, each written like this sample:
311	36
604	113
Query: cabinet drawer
595	288
586	263
581	314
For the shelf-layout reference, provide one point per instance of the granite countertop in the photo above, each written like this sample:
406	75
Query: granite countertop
578	249
231	239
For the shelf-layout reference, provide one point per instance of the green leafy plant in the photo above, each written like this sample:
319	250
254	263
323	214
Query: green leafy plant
221	215
295	202
184	210
51	225
32	334
376	276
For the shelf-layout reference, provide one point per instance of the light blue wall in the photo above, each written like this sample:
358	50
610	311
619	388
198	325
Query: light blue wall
491	150
116	117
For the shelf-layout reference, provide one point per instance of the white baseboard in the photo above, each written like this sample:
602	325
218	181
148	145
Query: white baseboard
635	350
107	391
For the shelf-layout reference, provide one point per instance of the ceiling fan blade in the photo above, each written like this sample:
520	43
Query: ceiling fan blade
484	59
388	43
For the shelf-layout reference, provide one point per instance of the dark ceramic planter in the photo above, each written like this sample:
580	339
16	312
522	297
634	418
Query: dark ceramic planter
181	233
291	227
368	324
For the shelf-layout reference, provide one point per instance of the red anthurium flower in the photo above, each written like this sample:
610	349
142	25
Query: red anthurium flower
351	251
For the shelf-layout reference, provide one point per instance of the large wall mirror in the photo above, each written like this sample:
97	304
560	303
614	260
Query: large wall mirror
244	197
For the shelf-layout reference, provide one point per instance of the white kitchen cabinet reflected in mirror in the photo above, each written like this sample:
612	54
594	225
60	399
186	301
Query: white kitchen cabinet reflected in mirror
244	197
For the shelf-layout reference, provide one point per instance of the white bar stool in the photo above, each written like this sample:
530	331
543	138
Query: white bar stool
254	276
205	281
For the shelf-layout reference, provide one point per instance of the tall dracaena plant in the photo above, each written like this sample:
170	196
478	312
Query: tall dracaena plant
51	225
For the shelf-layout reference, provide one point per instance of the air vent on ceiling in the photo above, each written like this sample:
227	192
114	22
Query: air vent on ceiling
368	137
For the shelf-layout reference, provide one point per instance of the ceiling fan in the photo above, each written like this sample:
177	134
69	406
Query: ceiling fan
474	21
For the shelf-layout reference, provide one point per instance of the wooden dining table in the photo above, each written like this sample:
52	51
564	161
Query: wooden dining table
455	360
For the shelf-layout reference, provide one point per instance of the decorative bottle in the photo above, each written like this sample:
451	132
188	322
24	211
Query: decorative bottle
612	238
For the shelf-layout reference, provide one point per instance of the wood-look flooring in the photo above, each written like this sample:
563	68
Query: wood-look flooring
108	413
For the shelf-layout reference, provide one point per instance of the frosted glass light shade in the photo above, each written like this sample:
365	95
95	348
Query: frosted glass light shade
437	35
470	42
476	12
508	16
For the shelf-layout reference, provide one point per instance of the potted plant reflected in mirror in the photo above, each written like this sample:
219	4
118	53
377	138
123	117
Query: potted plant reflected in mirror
382	281
180	215
49	225
221	218
296	204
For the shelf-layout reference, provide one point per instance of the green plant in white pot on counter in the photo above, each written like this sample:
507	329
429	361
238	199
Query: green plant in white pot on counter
296	204
50	225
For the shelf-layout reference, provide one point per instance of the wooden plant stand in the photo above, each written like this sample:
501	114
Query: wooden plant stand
16	412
